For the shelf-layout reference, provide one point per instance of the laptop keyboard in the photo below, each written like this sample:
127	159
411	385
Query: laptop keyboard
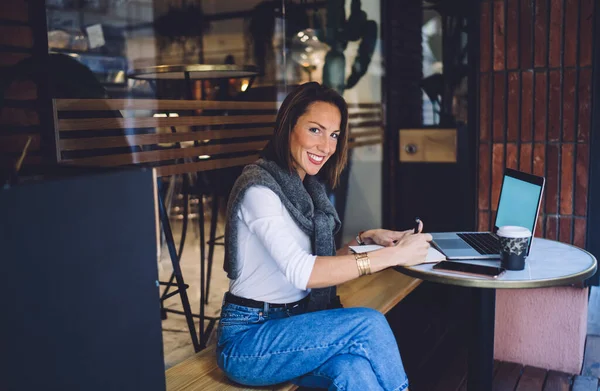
484	243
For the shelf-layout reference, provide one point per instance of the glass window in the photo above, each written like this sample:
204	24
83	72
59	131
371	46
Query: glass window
229	52
121	48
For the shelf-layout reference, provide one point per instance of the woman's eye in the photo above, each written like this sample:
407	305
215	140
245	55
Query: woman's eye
314	130
335	135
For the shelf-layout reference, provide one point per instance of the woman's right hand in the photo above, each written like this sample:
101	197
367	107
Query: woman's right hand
409	251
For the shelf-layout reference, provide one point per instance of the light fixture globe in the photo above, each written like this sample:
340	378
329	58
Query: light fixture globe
307	50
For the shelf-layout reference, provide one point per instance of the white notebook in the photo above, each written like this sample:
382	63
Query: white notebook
433	255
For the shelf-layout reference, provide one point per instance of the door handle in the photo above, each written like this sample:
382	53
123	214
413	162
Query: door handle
411	149
427	145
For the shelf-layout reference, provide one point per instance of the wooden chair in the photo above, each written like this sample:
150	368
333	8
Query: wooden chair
173	136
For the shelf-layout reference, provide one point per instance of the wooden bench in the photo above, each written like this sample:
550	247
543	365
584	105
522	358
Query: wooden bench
380	291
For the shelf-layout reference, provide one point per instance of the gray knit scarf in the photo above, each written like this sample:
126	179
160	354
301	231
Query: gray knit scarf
309	207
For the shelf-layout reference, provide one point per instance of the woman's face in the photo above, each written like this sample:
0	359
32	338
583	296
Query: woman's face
314	138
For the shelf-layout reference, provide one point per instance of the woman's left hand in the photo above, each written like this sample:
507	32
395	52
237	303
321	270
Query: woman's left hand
383	237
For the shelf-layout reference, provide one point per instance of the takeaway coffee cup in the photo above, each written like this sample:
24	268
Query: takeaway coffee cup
513	246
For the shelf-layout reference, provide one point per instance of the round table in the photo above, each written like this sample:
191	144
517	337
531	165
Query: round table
190	72
549	263
194	72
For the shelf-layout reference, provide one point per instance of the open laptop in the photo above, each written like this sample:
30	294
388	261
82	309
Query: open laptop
519	204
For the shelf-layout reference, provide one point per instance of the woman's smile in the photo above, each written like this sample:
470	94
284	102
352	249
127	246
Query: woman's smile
315	159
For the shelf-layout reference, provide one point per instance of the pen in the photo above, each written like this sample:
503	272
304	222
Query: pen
417	221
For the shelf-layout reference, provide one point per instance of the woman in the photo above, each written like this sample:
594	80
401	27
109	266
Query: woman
281	259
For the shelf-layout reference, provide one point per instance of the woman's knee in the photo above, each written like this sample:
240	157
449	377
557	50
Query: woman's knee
362	323
347	371
350	365
364	313
374	320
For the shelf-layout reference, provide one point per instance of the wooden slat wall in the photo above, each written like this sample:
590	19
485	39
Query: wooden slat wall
162	104
19	115
195	136
365	122
161	138
66	125
210	131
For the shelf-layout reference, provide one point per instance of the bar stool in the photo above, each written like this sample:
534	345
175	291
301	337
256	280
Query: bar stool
217	185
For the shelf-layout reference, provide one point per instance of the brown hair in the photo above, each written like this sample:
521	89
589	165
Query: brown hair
292	108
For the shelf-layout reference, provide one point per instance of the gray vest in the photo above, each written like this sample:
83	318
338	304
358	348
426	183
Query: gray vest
307	204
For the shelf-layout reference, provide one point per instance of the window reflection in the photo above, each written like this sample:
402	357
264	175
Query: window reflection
445	64
432	66
333	42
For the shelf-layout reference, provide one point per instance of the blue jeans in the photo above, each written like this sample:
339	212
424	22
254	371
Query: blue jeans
340	349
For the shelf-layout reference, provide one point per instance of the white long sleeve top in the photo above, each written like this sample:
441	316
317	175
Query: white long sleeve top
273	252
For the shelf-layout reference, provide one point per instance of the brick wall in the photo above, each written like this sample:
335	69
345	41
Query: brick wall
535	107
22	37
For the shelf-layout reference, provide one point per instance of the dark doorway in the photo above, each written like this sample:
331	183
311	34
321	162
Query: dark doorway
430	98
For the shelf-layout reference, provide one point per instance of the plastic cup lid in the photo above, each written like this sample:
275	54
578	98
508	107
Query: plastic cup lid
513	231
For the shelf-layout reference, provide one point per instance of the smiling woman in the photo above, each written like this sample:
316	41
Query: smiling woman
281	319
312	119
314	138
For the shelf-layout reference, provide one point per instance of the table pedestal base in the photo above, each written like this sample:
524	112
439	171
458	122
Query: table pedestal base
481	339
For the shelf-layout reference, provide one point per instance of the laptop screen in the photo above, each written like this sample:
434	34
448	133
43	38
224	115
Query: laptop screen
518	204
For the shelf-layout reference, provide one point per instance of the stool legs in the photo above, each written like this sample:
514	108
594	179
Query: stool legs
185	190
181	287
203	337
211	242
